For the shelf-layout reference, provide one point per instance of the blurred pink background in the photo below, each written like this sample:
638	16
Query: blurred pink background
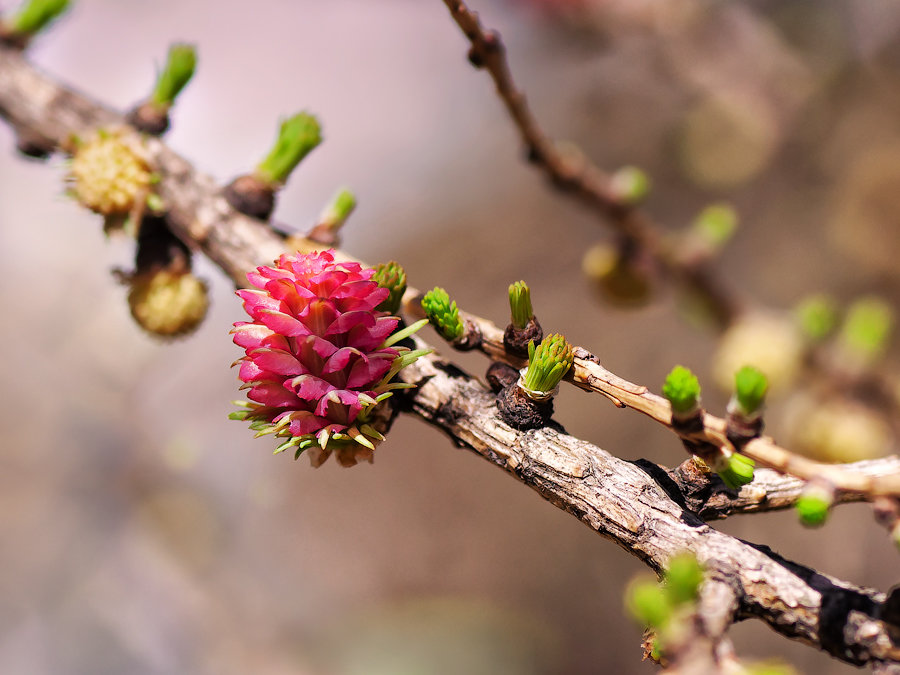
141	532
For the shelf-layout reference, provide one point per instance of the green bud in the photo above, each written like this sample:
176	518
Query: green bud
35	15
336	213
813	504
630	184
297	137
716	224
682	388
648	603
620	281
683	578
392	277
867	327
520	304
751	386
548	363
443	314
738	472
178	71
817	316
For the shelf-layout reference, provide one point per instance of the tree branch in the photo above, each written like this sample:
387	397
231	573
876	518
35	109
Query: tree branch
587	373
770	490
572	172
635	504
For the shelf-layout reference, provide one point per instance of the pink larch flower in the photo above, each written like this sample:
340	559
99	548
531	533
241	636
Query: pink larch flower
318	355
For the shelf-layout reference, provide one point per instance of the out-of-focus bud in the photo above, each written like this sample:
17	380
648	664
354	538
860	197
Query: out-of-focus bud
836	430
254	194
326	231
713	227
866	331
630	185
164	296
814	503
31	18
110	173
683	578
770	343
648	603
152	116
168	304
716	224
297	137
620	279
816	316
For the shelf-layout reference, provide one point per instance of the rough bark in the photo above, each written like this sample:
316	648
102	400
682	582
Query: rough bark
639	507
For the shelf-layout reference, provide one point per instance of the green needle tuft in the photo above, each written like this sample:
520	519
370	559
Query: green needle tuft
178	71
443	314
520	304
548	363
297	137
392	277
751	386
682	389
738	472
35	15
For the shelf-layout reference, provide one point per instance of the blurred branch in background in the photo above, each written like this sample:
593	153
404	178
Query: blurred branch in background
648	511
571	171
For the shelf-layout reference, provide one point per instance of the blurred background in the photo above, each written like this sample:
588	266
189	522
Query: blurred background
141	532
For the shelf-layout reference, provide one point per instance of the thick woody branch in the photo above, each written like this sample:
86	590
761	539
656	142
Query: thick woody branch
587	373
641	509
637	505
573	173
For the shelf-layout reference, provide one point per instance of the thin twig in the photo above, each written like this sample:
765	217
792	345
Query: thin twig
770	490
587	373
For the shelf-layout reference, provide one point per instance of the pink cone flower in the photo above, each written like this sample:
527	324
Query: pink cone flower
318	358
